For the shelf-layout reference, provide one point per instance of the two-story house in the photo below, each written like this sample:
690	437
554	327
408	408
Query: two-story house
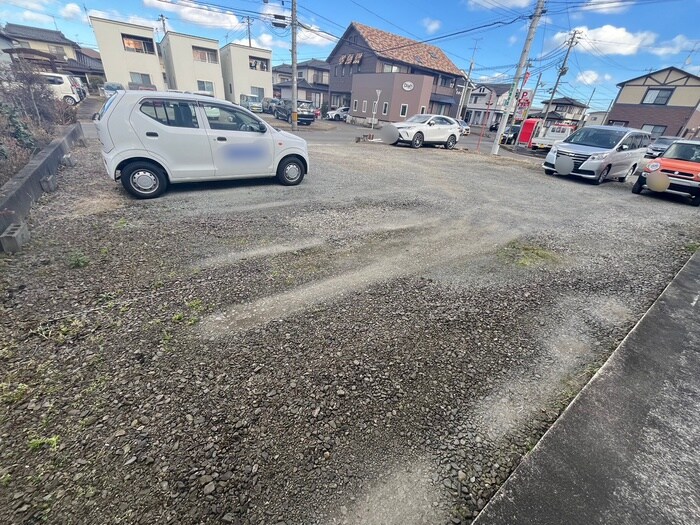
665	102
281	73
387	77
486	104
130	55
564	110
312	82
192	63
246	71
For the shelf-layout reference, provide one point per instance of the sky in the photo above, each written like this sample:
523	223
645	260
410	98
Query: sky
617	40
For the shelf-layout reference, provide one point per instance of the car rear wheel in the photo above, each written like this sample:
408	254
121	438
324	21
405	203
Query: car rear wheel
69	100
638	186
629	172
451	141
603	175
336	117
144	180
417	141
290	172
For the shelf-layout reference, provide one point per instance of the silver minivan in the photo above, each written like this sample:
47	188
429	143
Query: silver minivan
599	153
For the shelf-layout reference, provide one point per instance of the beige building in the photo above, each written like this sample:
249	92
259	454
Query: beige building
192	63
246	71
129	54
38	39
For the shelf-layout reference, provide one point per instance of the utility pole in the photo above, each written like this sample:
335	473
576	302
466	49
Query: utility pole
467	87
294	65
249	40
512	98
162	20
588	104
562	71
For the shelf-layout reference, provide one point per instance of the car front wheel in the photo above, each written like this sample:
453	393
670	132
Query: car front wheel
144	180
417	141
629	172
603	175
290	172
69	100
638	185
451	142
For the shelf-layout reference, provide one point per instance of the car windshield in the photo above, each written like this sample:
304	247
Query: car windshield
113	86
596	138
662	141
304	105
680	151
419	119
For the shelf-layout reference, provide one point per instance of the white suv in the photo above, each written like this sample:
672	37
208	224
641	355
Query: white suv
150	140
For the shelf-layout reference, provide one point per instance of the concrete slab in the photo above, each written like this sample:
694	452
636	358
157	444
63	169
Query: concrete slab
626	451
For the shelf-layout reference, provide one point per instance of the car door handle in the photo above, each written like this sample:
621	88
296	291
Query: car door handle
221	139
151	134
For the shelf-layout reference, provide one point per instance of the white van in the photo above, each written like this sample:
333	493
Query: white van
153	139
598	153
63	88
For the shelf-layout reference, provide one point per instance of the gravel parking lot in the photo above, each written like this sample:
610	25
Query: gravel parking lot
379	345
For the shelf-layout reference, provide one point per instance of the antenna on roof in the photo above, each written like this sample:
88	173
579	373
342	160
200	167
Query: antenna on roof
162	20
54	23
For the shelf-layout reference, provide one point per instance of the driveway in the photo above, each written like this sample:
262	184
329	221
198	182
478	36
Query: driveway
380	344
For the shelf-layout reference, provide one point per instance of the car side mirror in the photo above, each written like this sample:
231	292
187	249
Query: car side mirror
94	116
262	128
431	123
624	147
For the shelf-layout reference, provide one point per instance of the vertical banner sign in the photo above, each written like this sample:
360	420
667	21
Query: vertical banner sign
524	103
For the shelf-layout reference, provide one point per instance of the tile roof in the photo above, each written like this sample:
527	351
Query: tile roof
315	63
91	53
498	89
402	49
567	101
17	31
283	68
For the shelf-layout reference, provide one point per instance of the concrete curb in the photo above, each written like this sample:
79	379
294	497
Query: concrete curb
624	450
19	193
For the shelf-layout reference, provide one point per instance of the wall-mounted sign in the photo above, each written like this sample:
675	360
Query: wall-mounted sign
407	86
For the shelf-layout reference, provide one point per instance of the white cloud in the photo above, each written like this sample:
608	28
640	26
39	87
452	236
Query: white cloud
73	12
131	19
32	5
493	79
607	77
512	39
202	15
679	44
431	25
609	40
489	4
312	36
38	18
607	6
588	77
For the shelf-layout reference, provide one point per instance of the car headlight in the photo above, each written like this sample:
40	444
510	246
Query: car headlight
598	156
653	166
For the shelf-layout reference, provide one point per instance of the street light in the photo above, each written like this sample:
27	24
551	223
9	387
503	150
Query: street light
375	106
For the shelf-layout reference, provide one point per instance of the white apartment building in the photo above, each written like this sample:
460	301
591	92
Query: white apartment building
192	63
129	54
246	71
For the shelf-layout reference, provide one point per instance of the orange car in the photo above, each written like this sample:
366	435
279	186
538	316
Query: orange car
676	171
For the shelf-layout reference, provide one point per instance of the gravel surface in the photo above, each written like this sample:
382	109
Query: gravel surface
379	345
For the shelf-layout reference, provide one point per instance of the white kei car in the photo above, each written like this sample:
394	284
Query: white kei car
428	129
153	139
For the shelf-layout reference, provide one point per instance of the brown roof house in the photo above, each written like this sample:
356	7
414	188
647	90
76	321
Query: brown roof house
387	77
665	102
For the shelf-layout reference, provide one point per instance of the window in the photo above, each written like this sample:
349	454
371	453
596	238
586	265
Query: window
354	105
364	106
202	54
335	71
390	68
24	44
138	44
175	113
447	82
422	110
258	64
385	108
258	92
342	72
374	107
404	110
230	88
140	78
230	119
619	123
657	96
358	68
655	130
51	79
300	74
205	85
57	50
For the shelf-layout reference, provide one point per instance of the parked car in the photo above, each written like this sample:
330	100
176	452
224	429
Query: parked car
660	145
79	86
110	88
338	114
510	134
268	104
676	171
153	139
494	126
62	87
598	153
428	129
251	103
464	128
305	112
